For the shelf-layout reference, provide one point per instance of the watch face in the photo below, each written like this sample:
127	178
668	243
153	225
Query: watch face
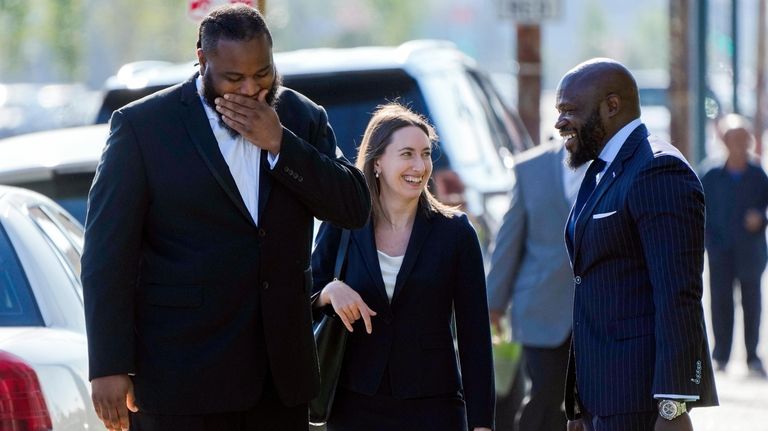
668	409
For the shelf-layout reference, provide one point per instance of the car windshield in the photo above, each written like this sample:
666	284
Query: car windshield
17	305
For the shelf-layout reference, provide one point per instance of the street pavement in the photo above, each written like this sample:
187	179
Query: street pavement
743	399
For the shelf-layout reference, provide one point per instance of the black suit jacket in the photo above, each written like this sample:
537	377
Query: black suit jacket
637	258
441	275
181	288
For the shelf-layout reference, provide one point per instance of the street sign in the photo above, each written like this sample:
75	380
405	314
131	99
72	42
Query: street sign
529	11
197	9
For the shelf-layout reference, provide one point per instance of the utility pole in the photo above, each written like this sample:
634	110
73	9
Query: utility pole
529	77
760	109
261	5
735	54
679	66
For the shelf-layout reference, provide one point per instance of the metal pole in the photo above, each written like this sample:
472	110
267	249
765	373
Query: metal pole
700	125
735	53
760	109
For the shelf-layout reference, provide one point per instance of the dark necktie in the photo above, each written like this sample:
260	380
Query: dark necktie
586	189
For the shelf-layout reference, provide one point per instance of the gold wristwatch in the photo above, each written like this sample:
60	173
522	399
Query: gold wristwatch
670	409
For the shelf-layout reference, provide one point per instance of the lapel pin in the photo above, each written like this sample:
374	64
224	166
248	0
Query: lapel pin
614	174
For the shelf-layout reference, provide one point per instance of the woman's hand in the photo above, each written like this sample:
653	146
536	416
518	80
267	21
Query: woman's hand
347	304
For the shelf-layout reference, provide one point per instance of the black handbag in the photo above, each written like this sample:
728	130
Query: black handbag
330	338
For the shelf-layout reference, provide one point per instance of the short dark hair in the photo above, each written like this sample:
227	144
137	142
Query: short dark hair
232	22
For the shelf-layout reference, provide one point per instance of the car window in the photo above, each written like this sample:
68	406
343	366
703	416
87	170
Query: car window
350	98
17	304
516	138
65	249
68	190
463	121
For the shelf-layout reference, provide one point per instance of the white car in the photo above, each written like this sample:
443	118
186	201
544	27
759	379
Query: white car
43	351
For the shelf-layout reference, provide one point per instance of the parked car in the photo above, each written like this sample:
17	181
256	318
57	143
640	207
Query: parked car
478	132
43	352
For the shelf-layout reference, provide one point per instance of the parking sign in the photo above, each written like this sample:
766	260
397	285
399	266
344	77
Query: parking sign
197	9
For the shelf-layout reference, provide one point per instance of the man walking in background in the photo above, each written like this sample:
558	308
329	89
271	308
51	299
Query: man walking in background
196	270
737	198
530	270
639	358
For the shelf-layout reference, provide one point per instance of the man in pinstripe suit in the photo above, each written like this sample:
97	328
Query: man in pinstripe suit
635	237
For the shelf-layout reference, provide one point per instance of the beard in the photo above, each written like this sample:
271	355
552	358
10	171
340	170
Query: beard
210	94
590	137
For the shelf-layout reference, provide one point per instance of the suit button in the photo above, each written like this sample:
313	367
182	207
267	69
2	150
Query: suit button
286	169
262	232
265	285
577	279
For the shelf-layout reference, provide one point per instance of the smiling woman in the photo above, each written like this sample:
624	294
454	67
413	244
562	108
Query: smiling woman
415	265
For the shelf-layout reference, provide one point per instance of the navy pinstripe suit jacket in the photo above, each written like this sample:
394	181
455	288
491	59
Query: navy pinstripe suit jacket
637	258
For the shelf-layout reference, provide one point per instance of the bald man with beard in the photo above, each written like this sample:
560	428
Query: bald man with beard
639	358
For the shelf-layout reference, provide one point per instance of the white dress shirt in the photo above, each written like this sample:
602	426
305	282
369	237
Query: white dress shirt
242	157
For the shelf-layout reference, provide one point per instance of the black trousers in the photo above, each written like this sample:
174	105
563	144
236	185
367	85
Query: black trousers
543	408
268	415
724	270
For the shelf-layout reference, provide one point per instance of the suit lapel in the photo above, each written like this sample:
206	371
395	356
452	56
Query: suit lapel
205	143
609	177
366	243
419	233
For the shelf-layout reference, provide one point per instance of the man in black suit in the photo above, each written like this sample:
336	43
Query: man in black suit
196	270
639	356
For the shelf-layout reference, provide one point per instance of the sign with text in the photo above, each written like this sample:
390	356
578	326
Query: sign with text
529	11
197	9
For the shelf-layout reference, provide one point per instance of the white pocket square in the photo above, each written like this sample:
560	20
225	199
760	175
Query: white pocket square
603	215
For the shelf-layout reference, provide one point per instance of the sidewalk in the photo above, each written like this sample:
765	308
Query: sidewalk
743	400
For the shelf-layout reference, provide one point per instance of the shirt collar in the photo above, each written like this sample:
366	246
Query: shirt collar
614	144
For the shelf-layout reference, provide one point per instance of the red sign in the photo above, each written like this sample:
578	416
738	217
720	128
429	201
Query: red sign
198	9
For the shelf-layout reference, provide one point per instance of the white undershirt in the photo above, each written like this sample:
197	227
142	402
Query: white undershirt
242	157
390	266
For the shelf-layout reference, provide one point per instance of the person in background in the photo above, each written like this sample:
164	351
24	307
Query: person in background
736	190
530	270
197	244
635	237
415	265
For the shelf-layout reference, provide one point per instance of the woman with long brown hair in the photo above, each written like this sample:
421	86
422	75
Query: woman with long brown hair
415	265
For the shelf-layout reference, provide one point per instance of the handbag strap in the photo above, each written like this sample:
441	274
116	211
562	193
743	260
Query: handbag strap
341	254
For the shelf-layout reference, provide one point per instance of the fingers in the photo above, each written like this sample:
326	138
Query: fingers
367	313
262	97
130	402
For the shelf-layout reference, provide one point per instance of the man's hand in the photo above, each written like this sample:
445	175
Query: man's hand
254	119
753	220
481	429
496	317
576	425
680	423
347	304
112	398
